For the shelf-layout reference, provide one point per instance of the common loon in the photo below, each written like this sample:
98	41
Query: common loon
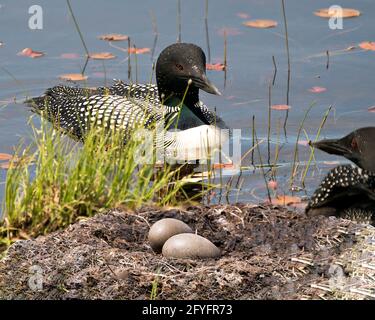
173	102
348	191
358	147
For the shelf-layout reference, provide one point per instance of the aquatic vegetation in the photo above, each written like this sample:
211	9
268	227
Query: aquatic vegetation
284	200
113	37
74	180
280	107
102	56
28	52
260	23
139	50
73	77
337	13
5	156
215	66
367	45
317	89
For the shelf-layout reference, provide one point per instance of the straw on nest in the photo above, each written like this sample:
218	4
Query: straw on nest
268	253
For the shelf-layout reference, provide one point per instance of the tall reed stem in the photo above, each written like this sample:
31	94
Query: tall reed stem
80	35
288	56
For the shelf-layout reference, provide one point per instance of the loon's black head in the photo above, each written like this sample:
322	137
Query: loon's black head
358	146
176	65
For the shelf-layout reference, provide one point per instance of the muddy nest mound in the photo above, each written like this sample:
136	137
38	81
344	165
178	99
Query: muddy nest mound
267	253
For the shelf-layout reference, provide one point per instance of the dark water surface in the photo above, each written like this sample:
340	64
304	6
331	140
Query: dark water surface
349	80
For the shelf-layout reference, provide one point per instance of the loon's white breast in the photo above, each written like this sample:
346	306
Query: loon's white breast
199	143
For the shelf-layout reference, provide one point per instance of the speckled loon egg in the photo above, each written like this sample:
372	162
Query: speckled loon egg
190	245
163	229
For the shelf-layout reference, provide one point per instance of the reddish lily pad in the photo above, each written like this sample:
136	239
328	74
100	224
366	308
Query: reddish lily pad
73	77
272	185
5	156
28	52
113	37
340	13
101	56
367	45
286	200
215	66
139	50
260	23
317	89
223	166
280	107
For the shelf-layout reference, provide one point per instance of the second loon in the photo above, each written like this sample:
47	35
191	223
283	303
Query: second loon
348	191
173	101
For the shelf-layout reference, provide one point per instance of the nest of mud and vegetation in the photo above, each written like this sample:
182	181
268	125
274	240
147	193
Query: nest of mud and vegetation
267	253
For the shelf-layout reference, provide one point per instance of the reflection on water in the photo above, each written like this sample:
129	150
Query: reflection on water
252	57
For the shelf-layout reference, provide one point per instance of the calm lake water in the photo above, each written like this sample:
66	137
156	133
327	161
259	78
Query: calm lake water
349	80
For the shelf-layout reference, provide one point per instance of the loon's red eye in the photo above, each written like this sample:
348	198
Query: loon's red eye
354	144
179	67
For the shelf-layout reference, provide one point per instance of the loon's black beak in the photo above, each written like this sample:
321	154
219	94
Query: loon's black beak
332	146
201	81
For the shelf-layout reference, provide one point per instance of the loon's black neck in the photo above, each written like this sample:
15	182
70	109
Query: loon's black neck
168	97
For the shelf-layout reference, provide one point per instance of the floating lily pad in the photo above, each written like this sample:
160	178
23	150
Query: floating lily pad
340	13
260	23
